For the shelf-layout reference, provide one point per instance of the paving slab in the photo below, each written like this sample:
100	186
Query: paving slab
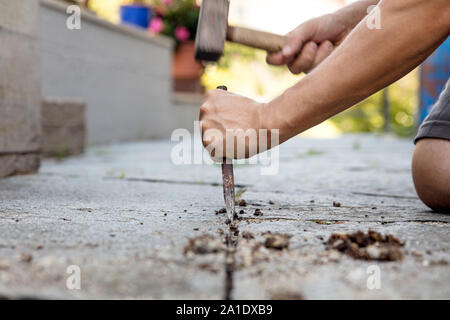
124	215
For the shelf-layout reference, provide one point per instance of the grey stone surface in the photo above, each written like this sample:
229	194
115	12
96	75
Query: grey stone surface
19	86
121	73
124	214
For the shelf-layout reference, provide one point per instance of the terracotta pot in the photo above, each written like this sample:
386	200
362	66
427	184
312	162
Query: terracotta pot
186	71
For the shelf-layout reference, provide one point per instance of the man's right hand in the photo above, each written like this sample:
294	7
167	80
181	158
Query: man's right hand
310	43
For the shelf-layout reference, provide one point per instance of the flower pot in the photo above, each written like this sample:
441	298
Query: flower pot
186	71
137	15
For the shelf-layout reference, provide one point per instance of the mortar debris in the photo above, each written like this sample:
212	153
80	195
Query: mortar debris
248	235
370	246
223	210
242	203
327	222
277	241
288	295
258	212
26	257
336	204
214	268
203	244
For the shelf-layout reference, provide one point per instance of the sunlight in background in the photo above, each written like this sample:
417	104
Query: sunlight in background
108	9
278	16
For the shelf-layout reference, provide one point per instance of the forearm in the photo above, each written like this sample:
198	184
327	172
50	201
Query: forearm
352	14
367	61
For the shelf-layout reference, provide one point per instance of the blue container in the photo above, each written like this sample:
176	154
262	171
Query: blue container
434	73
136	15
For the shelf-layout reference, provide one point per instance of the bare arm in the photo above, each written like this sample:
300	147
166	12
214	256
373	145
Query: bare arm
314	40
367	61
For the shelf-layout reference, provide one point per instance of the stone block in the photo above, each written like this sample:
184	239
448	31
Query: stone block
19	87
63	127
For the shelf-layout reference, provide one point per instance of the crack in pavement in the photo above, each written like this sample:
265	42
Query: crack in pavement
272	219
384	195
213	184
232	242
149	180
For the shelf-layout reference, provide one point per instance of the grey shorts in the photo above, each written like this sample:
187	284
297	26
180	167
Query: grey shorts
437	123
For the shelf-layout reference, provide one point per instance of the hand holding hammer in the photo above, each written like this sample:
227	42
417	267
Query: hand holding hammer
213	31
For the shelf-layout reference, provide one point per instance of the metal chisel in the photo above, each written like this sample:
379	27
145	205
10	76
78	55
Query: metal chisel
228	182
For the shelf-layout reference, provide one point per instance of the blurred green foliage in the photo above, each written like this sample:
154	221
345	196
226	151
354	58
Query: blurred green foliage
367	116
245	71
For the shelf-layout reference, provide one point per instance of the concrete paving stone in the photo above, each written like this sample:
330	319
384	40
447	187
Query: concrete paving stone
119	213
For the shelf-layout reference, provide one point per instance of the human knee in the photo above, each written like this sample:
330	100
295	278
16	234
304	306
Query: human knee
431	173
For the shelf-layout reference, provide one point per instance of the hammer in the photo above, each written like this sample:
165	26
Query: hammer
213	30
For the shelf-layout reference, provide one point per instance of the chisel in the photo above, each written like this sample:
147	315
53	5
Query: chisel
228	182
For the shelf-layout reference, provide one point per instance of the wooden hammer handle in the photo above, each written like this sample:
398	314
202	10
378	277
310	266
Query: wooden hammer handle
256	39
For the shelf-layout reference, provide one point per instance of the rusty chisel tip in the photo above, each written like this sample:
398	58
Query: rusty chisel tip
228	189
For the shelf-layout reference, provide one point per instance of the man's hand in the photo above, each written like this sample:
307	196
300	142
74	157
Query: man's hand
310	43
313	41
225	115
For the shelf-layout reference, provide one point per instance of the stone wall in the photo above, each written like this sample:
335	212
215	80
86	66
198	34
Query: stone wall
20	98
121	73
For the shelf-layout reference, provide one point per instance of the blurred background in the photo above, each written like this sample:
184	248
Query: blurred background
397	109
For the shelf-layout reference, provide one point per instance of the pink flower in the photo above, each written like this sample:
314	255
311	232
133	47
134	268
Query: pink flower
156	25
167	1
181	33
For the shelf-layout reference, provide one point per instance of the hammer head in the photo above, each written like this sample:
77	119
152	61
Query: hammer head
211	30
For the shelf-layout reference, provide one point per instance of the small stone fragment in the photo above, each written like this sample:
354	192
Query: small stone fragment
248	235
214	268
370	246
26	257
277	241
336	204
203	244
223	210
242	203
258	212
287	296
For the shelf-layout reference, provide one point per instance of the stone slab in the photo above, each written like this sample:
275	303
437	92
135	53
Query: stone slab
118	212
